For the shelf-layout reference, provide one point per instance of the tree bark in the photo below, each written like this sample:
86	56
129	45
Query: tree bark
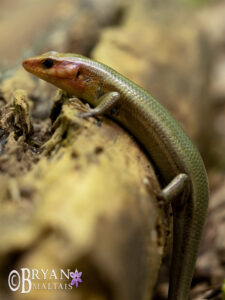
82	195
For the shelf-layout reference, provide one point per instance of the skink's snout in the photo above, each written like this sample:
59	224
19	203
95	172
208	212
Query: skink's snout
31	65
25	64
28	65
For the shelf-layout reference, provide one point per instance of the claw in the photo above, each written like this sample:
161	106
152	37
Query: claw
86	115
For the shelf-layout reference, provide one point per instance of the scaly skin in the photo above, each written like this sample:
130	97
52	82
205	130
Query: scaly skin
165	141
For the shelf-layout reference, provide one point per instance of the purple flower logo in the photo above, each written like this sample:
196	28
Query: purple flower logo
76	278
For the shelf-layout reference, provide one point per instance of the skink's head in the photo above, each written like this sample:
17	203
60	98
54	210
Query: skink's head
71	72
51	65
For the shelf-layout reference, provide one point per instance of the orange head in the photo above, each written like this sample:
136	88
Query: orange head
73	73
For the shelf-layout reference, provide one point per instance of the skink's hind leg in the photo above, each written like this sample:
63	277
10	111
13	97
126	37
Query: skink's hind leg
178	193
106	103
177	189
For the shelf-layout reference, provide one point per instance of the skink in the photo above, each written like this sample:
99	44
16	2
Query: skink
177	160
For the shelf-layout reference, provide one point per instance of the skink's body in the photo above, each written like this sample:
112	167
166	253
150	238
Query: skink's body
169	147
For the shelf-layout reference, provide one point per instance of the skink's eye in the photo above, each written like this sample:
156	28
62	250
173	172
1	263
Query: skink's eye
78	74
48	63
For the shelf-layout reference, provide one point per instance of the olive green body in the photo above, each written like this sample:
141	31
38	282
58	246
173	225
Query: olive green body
162	137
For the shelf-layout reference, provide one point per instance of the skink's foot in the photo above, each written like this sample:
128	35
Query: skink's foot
87	115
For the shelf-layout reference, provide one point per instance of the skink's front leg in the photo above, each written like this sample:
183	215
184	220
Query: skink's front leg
106	103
